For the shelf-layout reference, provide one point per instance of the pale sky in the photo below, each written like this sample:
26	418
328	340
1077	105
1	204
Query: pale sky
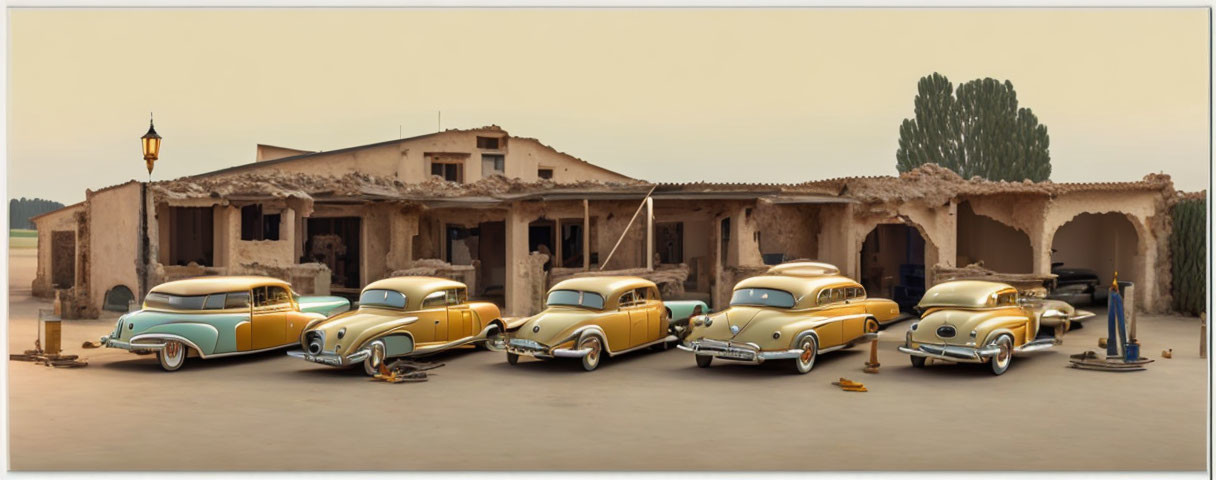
675	95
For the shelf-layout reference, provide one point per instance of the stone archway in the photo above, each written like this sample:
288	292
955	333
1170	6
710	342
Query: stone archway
894	258
1102	243
1001	248
118	299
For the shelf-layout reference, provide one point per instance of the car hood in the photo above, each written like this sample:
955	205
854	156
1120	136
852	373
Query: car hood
360	325
754	324
554	324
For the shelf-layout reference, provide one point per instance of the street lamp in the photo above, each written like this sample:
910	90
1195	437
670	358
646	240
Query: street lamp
151	143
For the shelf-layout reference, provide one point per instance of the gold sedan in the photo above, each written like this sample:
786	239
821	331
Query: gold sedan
588	317
401	317
792	313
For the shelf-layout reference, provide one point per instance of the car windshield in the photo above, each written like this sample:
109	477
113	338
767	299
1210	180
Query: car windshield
382	298
575	298
765	297
175	302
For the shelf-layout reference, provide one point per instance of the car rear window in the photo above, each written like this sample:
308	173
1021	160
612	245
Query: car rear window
175	302
382	298
764	297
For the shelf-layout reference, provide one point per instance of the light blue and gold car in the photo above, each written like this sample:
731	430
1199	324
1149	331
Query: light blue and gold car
217	317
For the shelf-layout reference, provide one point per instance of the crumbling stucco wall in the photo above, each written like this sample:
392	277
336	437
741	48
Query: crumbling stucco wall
62	220
116	241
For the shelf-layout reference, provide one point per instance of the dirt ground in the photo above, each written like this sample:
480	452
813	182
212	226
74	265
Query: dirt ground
643	411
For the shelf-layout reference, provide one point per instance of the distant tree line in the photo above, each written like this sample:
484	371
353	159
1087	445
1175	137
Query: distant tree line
20	210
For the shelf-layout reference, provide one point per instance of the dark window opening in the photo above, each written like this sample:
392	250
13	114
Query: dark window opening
335	242
63	259
725	240
451	172
545	173
669	241
256	226
191	235
572	243
489	143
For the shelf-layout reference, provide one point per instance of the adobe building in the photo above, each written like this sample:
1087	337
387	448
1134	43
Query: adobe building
509	216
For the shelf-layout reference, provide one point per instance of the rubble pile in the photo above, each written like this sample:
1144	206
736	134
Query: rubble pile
669	278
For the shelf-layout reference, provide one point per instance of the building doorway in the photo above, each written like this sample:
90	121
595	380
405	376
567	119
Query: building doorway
893	264
669	242
541	239
63	259
191	237
1000	247
1089	249
571	243
335	241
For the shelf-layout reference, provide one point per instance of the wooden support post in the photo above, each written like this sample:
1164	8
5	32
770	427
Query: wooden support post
650	233
586	235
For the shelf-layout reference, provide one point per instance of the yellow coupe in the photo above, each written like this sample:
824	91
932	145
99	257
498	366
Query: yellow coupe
401	317
973	321
793	313
588	317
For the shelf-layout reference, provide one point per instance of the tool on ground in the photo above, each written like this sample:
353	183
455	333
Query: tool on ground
849	385
1167	353
872	365
51	356
402	371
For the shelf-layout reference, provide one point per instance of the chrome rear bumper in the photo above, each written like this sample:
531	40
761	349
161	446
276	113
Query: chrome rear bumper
955	353
747	352
332	359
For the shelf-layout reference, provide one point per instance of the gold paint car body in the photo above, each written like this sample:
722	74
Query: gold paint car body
436	315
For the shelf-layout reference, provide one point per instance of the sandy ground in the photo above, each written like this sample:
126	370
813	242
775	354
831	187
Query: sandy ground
643	411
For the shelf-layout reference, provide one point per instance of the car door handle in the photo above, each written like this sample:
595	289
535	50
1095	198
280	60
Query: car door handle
436	322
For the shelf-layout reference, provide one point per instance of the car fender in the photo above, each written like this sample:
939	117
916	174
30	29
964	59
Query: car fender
201	336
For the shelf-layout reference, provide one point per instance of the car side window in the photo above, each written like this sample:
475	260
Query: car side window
825	297
435	299
456	296
271	296
236	300
837	295
214	301
641	295
627	299
1007	299
861	292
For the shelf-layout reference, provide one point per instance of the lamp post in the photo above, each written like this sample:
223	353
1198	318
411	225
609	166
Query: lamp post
151	143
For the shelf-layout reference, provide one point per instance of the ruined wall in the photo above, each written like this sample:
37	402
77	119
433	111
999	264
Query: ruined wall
62	220
525	156
116	241
1001	247
789	229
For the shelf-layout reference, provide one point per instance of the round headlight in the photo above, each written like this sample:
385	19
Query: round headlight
974	333
776	335
341	332
914	325
709	321
315	343
536	329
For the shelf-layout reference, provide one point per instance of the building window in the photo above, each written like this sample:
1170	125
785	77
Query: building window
452	171
493	164
545	173
488	143
256	226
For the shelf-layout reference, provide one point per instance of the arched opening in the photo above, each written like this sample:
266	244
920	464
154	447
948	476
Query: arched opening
893	264
118	299
1088	250
981	239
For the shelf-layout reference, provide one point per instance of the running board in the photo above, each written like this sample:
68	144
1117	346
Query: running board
669	338
435	348
1040	344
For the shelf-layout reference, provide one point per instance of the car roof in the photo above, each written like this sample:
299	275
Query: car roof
802	287
216	284
413	286
605	285
803	269
963	293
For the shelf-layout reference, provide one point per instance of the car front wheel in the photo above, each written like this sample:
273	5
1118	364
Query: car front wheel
918	362
512	358
371	365
703	361
591	360
173	356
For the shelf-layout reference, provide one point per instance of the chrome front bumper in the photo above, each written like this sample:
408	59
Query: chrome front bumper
535	349
747	352
955	353
135	347
331	358
952	353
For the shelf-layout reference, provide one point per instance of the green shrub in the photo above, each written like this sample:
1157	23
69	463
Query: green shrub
1188	248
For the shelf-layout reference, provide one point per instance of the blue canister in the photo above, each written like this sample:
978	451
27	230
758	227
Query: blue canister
1131	352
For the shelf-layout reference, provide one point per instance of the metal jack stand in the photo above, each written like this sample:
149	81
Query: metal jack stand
1122	355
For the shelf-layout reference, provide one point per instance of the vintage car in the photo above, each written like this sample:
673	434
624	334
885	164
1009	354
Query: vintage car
217	317
588	317
401	317
793	312
974	321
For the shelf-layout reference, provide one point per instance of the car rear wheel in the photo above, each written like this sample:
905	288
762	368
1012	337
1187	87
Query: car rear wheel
512	358
1000	362
371	365
591	360
173	356
703	361
871	325
495	341
806	360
